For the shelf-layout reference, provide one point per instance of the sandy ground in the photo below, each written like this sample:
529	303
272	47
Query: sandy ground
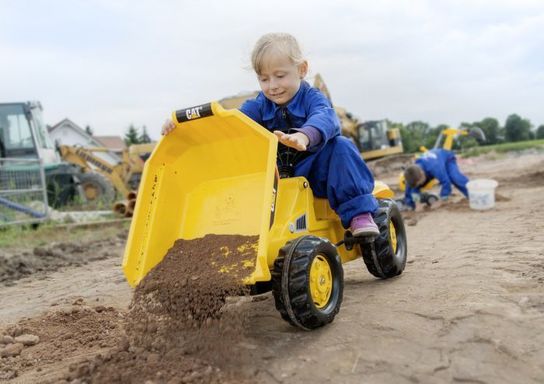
469	307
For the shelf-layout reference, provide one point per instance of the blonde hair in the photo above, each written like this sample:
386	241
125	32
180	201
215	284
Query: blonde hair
280	43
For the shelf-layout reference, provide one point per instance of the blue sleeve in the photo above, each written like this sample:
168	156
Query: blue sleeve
321	116
444	180
252	109
408	200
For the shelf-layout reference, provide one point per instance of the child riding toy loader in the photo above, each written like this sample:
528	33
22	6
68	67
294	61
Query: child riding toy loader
216	174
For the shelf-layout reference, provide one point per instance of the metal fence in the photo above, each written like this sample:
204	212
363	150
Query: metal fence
23	192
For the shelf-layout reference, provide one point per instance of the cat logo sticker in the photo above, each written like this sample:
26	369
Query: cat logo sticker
193	113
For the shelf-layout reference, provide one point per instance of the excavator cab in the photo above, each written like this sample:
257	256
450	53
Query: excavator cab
375	139
26	144
23	133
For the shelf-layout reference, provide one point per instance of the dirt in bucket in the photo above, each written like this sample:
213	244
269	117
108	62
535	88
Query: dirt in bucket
178	329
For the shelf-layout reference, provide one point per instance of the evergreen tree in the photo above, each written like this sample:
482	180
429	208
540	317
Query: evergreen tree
144	137
131	136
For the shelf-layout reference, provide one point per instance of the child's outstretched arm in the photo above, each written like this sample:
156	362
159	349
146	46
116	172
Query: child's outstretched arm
297	140
322	117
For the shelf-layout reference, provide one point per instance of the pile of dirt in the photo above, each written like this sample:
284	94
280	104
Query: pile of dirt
390	164
177	329
45	342
527	180
46	259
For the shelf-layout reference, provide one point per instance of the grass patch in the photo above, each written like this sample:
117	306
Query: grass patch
503	148
28	236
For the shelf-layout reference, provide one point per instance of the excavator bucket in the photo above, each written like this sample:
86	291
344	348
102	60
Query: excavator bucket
213	174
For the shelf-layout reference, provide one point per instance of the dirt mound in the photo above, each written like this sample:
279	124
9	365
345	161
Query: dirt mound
54	256
64	334
390	164
527	180
177	329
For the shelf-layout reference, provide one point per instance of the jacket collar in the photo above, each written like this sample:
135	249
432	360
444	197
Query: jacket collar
295	106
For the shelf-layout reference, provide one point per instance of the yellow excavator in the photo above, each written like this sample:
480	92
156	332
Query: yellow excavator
99	176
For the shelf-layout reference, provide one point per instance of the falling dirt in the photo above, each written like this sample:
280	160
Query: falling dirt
176	328
468	308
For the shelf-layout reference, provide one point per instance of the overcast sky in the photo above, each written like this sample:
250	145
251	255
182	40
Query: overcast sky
110	63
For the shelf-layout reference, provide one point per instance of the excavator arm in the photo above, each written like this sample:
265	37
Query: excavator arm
85	158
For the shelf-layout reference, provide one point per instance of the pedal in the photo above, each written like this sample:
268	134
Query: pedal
350	241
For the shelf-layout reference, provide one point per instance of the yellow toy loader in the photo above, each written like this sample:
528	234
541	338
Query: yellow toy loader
216	174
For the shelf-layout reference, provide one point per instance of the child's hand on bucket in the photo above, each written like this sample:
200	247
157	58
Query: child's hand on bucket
298	140
167	127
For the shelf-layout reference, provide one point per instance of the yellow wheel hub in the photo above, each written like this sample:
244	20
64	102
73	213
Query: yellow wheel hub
393	235
320	281
90	191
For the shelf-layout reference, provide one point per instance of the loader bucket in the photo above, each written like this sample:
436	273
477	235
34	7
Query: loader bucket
213	174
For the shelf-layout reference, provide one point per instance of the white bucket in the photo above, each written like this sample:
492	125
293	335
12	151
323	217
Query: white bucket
481	193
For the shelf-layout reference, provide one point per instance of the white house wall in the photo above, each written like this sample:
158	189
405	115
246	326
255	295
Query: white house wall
67	136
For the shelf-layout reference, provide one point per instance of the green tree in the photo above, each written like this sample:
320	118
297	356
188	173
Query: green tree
517	129
132	136
540	132
144	137
414	136
89	130
491	128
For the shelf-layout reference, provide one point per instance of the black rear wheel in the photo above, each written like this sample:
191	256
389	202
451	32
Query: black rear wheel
308	282
385	257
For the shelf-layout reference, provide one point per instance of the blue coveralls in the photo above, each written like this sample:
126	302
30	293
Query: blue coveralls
334	167
439	164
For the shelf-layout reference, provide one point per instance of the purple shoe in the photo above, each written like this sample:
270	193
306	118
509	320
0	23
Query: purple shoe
364	225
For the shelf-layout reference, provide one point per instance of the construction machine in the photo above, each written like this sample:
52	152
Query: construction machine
71	172
447	137
374	139
23	136
217	173
98	175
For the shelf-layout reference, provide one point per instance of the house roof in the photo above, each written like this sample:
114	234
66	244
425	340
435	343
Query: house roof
70	123
76	128
111	142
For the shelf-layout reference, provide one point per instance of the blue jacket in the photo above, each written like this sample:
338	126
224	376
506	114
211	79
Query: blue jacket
309	107
333	166
433	163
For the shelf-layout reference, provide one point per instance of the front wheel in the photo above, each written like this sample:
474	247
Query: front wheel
385	257
95	188
308	282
